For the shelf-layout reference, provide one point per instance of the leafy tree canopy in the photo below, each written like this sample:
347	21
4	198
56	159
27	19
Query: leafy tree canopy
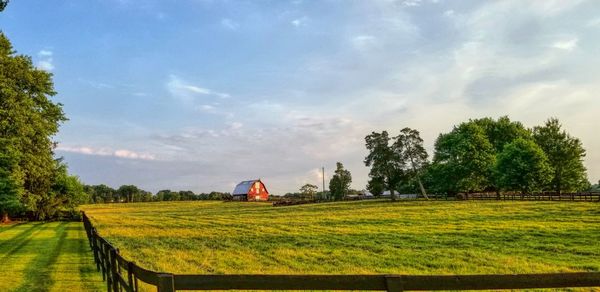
340	182
565	155
523	166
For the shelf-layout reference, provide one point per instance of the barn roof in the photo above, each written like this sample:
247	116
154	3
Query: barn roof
243	187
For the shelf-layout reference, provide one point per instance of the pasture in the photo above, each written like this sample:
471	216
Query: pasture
47	257
364	237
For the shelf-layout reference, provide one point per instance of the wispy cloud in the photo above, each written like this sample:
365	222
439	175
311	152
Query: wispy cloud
567	45
120	153
45	60
298	22
229	24
188	92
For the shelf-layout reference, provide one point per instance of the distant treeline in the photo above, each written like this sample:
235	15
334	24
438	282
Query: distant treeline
479	155
131	193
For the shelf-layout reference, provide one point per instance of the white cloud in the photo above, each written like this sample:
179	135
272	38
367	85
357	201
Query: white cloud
229	24
567	45
298	22
46	61
120	153
363	42
189	92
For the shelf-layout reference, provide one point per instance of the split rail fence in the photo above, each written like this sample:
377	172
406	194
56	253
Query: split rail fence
587	196
123	275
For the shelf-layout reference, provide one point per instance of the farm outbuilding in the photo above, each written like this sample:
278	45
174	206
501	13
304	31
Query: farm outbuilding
250	190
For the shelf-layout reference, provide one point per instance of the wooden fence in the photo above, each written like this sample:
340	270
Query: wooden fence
123	275
587	196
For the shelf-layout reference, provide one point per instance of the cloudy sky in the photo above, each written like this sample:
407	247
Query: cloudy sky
202	94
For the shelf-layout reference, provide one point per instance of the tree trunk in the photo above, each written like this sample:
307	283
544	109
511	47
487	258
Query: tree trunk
5	218
392	195
422	188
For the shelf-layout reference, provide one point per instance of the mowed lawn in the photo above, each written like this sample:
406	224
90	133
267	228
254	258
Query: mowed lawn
47	257
366	237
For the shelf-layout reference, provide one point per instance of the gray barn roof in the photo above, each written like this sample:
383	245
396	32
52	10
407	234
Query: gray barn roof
243	187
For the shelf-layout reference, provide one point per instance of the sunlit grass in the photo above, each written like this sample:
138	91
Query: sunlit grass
366	237
47	257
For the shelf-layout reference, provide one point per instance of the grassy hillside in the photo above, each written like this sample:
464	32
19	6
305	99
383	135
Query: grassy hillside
355	237
47	257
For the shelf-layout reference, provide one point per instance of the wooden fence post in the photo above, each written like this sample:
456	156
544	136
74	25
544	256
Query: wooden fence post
114	273
166	283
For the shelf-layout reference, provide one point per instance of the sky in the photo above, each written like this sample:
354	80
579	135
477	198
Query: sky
201	94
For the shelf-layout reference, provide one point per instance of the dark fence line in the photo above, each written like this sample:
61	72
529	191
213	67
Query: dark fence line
123	275
587	196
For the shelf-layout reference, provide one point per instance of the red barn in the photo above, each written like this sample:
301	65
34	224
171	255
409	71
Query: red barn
250	190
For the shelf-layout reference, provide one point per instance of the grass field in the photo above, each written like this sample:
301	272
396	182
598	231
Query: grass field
47	257
470	237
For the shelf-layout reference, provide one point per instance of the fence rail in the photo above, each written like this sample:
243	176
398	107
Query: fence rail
587	196
123	275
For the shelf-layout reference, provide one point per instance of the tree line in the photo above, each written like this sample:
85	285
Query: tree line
131	193
480	155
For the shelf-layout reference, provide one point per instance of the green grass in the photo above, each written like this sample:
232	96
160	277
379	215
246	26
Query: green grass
47	257
367	237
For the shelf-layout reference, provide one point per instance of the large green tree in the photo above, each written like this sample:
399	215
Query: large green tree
9	185
502	131
130	192
385	164
565	155
463	160
309	191
408	146
28	119
340	182
523	166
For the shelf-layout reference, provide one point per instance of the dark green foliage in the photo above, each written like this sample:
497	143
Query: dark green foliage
565	155
386	168
3	4
502	131
376	186
309	191
100	193
340	182
408	147
9	186
463	160
29	120
523	166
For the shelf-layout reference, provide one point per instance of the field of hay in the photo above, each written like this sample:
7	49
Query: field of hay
365	237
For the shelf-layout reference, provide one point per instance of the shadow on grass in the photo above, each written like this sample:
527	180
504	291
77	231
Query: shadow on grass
38	272
12	246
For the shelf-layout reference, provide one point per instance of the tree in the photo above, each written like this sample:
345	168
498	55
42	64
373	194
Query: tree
340	182
29	120
523	166
376	186
409	148
3	4
309	191
386	167
463	160
100	193
128	192
565	155
9	186
502	131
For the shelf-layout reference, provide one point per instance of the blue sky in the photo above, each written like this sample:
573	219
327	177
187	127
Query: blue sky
201	94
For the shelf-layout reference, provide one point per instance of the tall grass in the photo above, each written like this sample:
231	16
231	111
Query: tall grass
470	237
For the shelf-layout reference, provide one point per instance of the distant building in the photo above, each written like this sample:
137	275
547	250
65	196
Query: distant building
250	190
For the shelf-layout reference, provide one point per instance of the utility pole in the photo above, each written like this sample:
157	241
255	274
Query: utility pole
323	169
